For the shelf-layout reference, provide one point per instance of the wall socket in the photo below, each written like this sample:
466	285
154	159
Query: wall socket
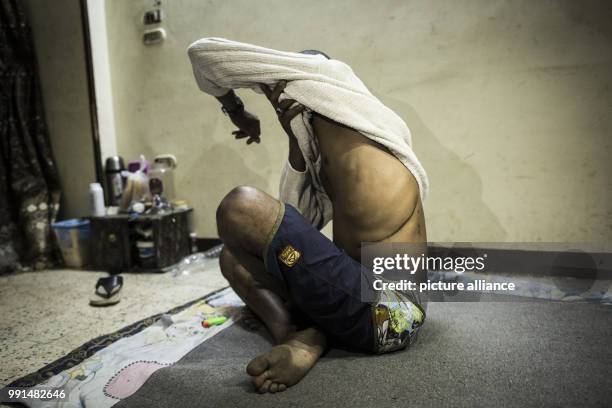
154	36
154	16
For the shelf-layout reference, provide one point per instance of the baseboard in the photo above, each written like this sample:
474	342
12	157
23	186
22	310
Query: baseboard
207	243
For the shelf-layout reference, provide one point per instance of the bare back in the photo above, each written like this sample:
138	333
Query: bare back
375	197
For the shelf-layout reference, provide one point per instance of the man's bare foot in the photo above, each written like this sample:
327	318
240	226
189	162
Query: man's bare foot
286	364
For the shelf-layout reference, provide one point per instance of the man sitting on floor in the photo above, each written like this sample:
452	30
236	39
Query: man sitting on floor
349	156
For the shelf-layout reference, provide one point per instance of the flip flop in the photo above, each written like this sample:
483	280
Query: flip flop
108	291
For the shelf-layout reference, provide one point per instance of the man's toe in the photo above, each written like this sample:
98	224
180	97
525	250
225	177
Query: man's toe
260	380
265	387
273	388
257	365
281	387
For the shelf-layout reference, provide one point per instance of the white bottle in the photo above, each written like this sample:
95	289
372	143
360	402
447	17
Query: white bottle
96	200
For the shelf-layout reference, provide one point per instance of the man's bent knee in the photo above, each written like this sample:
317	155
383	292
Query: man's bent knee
234	207
245	218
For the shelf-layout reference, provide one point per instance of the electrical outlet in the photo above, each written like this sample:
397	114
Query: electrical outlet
154	36
153	17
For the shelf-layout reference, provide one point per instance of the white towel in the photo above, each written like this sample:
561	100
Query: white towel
328	87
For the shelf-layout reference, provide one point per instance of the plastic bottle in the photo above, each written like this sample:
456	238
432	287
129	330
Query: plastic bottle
163	169
198	262
96	200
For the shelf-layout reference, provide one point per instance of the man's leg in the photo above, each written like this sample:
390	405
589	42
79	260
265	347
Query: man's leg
245	219
265	303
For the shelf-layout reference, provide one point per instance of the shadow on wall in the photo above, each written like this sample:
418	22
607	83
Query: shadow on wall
455	187
595	14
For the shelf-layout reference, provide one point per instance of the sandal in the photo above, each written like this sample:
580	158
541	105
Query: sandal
107	291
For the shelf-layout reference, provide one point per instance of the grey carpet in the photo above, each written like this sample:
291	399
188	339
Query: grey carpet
469	354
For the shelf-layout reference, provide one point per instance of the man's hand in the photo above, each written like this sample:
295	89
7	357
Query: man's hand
286	110
248	126
247	123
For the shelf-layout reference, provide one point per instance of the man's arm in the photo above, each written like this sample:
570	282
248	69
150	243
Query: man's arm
286	111
296	159
247	123
296	186
220	66
230	101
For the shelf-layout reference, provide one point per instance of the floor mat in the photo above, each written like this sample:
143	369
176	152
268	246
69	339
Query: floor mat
91	347
469	354
133	354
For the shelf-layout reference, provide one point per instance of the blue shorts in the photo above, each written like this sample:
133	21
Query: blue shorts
328	286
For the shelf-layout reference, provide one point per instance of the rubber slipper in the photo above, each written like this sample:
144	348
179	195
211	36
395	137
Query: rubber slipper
108	291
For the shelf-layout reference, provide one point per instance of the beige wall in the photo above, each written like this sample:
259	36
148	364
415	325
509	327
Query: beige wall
509	103
58	40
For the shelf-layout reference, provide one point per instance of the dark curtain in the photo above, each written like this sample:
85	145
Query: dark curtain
29	187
